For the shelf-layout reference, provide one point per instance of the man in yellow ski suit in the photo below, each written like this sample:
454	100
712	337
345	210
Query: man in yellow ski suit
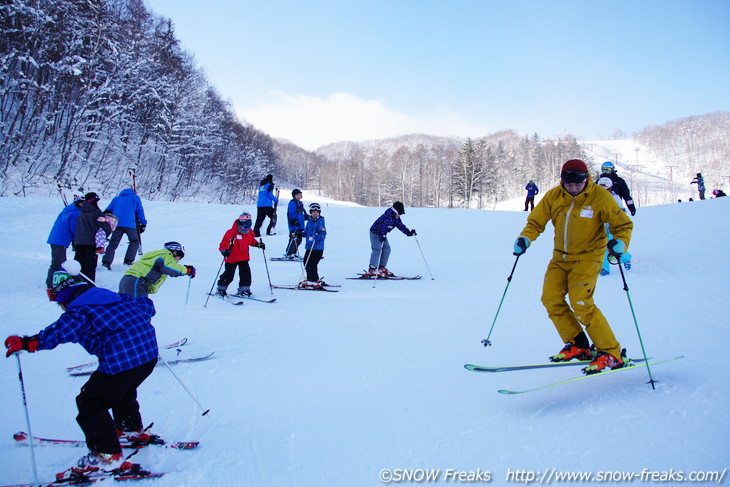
578	209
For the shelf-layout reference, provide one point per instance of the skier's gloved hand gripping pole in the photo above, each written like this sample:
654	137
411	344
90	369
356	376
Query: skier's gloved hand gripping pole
615	249
520	247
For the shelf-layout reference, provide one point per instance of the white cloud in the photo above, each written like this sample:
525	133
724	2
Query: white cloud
311	121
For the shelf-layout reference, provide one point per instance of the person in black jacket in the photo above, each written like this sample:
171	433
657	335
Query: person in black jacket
619	185
90	220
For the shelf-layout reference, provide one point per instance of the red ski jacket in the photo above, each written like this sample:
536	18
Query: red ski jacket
238	243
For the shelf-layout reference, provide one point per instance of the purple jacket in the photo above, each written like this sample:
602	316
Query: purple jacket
387	222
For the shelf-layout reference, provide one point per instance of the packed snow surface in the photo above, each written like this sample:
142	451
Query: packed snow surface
344	389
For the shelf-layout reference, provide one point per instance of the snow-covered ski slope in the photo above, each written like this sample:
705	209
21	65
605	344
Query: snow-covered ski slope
330	389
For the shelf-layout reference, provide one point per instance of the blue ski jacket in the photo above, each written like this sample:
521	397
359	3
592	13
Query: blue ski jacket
266	198
296	215
63	230
315	233
115	328
127	207
532	190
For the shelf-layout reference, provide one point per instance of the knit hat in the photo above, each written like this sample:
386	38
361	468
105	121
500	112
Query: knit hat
92	197
574	171
399	208
574	165
295	192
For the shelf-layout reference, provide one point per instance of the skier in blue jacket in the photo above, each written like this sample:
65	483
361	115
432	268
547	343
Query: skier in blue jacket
61	236
118	331
265	205
314	236
380	248
296	216
127	207
532	190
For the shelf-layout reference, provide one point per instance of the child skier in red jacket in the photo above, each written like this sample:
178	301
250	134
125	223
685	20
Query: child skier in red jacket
234	248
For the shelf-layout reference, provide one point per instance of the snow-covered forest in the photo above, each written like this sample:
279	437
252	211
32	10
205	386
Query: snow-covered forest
92	88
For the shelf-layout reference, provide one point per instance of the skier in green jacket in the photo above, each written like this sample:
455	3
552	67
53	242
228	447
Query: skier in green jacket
147	274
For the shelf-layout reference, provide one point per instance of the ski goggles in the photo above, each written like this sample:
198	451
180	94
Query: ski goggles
573	176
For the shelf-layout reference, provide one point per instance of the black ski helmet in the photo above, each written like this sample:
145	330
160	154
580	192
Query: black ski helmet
176	248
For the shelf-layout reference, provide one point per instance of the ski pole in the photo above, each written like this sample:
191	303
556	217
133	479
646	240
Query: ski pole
271	287
214	281
205	411
27	421
486	342
641	341
185	308
424	257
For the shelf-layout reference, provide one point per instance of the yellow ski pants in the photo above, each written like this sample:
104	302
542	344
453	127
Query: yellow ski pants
578	280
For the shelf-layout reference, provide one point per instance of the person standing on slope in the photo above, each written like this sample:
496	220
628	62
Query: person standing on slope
61	236
265	205
127	207
314	236
117	329
234	249
532	190
607	184
89	221
146	275
700	182
578	210
619	185
296	215
380	248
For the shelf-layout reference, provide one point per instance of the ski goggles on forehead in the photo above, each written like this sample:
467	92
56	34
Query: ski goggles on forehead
573	176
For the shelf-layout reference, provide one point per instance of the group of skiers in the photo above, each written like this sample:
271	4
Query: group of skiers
114	326
591	226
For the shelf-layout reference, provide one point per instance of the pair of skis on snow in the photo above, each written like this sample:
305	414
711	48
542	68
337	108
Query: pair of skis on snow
135	473
237	299
361	276
631	364
90	367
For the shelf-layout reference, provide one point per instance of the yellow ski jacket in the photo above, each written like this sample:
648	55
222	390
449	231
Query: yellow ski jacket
579	221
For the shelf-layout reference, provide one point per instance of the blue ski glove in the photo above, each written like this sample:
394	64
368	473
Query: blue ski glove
616	247
521	245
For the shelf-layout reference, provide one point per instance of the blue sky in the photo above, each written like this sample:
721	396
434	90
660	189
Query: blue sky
316	72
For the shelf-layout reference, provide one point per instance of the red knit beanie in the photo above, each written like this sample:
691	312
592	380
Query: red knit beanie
575	165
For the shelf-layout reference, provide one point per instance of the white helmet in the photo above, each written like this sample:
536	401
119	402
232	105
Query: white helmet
605	182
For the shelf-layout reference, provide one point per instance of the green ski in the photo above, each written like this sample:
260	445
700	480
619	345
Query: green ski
635	365
546	365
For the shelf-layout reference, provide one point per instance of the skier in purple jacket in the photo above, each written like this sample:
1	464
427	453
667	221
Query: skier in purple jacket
380	248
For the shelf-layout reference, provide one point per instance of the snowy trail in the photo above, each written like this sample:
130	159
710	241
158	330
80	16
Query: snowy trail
331	388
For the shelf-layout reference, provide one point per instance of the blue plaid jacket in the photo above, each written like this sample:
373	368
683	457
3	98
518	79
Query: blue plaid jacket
386	222
115	328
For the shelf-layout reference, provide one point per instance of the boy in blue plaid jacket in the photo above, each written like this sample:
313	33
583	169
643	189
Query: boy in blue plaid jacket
117	329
